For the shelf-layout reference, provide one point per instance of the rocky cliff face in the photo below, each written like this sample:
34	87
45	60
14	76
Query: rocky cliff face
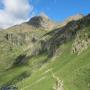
51	41
81	42
39	41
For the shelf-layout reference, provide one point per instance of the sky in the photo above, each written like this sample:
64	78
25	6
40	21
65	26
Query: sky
14	12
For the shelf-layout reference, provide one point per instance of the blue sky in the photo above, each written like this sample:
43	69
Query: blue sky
14	12
61	9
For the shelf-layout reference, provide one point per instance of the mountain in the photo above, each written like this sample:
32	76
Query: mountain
75	17
41	21
43	55
71	18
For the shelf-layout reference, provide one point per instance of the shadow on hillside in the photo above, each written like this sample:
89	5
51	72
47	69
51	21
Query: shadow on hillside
62	35
11	85
21	60
58	37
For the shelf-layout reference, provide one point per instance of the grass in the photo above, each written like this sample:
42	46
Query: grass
73	69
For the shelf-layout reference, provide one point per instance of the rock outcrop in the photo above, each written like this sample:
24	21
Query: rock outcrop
41	21
81	42
59	83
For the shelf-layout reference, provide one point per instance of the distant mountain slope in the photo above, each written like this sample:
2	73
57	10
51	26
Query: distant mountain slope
72	18
41	22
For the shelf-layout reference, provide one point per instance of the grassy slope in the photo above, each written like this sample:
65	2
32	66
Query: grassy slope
73	69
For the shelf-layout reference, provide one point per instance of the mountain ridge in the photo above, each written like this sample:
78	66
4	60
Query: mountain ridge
42	19
33	58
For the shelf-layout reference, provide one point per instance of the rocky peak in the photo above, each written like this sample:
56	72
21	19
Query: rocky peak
75	17
43	15
41	21
72	18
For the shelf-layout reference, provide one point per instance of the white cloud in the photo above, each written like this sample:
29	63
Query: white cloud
14	12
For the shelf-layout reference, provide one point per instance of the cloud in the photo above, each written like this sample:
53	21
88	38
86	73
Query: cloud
14	12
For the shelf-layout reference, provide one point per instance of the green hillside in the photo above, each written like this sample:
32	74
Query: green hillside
39	59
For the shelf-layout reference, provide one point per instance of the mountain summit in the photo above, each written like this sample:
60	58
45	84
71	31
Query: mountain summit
72	18
75	17
41	21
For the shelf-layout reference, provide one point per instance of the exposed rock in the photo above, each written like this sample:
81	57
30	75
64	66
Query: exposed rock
59	83
11	87
75	17
18	38
72	18
81	43
41	21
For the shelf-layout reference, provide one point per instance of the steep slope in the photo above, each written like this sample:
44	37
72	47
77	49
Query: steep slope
36	57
